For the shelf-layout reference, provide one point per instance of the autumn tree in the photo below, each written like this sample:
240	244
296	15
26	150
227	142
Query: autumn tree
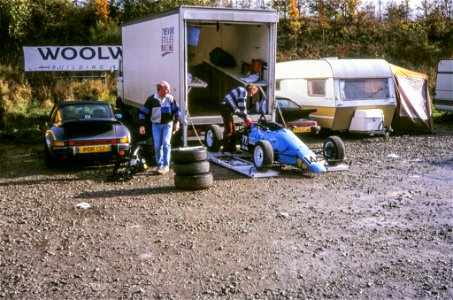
102	11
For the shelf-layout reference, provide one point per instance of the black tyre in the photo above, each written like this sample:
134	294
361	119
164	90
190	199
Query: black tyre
51	162
119	104
263	155
213	138
193	168
333	150
185	155
193	182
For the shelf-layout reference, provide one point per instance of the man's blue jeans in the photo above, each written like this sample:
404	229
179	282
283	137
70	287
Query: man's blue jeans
162	143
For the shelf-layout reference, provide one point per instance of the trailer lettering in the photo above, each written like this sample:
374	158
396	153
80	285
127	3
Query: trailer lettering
167	48
167	41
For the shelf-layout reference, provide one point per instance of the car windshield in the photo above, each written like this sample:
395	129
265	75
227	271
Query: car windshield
364	89
85	111
286	103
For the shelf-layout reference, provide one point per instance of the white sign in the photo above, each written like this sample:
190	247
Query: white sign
72	58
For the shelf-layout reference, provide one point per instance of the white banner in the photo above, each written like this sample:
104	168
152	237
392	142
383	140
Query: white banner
72	58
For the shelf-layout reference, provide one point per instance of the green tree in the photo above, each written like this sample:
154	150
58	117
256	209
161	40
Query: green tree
281	6
14	17
17	14
105	34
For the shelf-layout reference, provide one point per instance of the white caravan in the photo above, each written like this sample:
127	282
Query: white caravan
203	53
443	98
356	95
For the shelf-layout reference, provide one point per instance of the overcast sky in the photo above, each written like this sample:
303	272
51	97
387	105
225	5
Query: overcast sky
383	4
412	3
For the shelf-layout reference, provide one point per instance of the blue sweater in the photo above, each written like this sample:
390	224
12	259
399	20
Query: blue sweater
159	111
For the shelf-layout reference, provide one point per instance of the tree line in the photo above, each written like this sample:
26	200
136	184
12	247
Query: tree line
415	37
308	28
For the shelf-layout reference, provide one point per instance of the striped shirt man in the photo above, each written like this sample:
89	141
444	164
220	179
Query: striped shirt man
237	100
160	111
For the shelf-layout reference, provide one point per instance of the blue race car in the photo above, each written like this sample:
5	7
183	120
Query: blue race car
269	142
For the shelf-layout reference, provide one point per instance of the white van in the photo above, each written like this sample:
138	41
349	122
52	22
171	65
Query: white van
203	53
443	98
355	95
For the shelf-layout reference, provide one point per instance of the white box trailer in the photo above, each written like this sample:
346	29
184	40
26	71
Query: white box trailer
176	46
443	98
356	95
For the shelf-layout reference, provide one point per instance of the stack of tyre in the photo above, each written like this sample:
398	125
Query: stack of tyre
191	168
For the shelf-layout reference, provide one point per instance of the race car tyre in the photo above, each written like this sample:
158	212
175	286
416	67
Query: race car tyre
213	138
263	155
193	168
193	182
333	150
190	154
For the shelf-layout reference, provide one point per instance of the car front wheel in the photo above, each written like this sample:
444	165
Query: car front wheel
51	162
263	155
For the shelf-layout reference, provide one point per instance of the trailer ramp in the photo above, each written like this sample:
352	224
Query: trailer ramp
239	164
338	168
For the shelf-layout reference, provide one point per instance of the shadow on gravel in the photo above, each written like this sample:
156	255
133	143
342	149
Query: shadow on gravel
130	192
33	182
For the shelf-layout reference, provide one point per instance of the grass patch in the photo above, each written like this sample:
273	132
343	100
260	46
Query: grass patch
26	99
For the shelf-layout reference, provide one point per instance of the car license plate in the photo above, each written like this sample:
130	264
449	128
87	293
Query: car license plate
301	129
94	149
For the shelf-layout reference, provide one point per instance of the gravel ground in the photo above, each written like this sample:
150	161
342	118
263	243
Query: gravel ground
382	230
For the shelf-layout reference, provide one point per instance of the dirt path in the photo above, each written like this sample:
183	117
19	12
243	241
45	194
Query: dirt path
383	229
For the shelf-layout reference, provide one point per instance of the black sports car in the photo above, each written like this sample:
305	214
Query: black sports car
84	129
289	114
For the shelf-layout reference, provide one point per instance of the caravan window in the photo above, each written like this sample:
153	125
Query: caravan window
316	88
364	89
